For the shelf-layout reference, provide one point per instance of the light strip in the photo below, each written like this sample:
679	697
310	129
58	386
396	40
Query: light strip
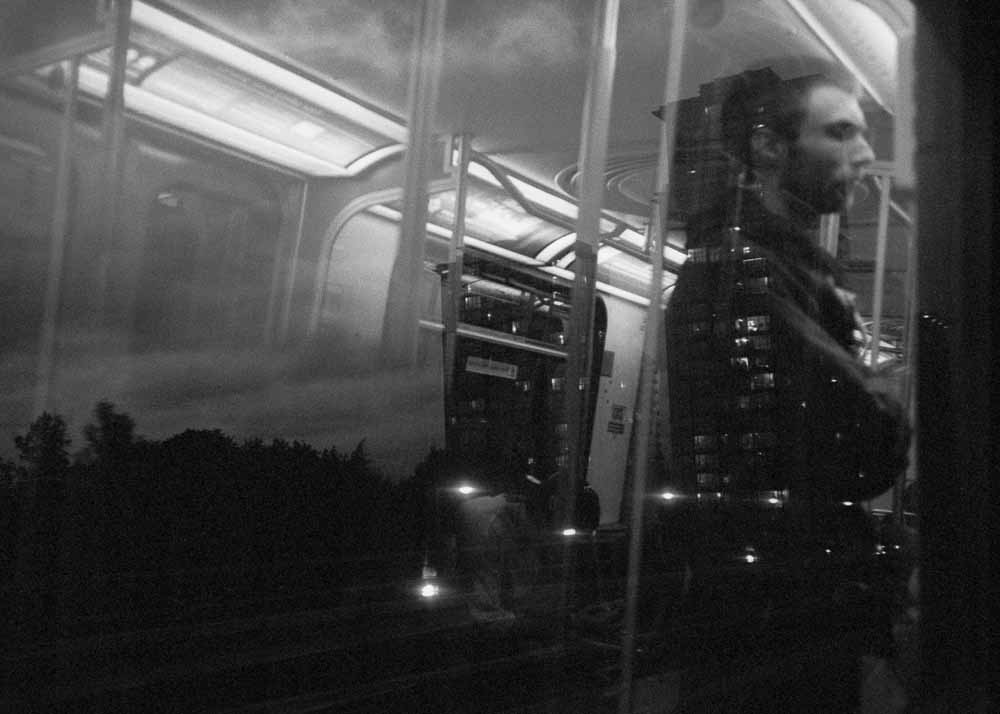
143	102
634	238
673	255
368	160
483	174
837	50
545	199
484	246
229	54
556	247
24	148
606	253
598	284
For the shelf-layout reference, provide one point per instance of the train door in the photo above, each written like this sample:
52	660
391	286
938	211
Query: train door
505	411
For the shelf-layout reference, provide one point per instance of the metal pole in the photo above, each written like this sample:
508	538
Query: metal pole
593	153
829	232
293	262
57	246
402	306
878	292
452	299
114	136
651	344
910	375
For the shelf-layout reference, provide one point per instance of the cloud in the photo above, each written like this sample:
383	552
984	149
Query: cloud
481	35
244	392
541	33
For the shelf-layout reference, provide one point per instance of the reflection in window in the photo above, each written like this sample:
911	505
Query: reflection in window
206	271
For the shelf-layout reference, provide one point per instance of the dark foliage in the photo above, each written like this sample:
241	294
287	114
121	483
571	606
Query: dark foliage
135	530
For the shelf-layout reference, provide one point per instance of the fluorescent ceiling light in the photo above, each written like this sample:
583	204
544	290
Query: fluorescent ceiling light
556	247
545	199
205	125
373	157
633	237
216	90
607	253
294	83
483	174
307	130
677	257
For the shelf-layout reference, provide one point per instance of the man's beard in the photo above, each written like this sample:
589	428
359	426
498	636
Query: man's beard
818	197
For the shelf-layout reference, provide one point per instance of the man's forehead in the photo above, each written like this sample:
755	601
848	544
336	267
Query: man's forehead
827	104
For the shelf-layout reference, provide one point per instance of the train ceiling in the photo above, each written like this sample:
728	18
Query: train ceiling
514	72
320	87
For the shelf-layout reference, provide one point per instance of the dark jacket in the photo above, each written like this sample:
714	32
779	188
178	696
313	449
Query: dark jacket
766	390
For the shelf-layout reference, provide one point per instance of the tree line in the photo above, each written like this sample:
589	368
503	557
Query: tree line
128	524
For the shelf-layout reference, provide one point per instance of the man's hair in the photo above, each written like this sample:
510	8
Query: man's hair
760	98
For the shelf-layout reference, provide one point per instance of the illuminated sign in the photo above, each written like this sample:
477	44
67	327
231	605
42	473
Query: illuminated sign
481	365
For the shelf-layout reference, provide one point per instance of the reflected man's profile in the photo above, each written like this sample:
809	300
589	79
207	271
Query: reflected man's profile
769	400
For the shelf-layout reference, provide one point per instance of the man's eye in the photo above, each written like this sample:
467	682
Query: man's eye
844	131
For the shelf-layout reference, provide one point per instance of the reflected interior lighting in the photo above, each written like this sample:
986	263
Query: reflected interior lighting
547	200
429	590
569	532
393	214
847	503
257	67
466	489
483	174
205	125
669	496
307	129
607	253
677	257
634	238
203	84
556	247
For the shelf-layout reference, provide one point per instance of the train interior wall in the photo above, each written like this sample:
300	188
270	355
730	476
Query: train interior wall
197	315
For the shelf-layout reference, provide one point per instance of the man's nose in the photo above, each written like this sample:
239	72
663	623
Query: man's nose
862	154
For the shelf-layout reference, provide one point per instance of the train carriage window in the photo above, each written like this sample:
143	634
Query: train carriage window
26	183
212	256
271	262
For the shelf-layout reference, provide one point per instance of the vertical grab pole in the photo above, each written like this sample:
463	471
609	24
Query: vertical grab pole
651	343
910	351
452	299
829	232
57	246
293	265
878	292
592	160
402	306
119	21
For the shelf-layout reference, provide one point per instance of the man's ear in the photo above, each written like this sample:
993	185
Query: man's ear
767	148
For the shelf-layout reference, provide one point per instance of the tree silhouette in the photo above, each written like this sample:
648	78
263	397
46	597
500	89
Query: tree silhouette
113	436
44	446
9	472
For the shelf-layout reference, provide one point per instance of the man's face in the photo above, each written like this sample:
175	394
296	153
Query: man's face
831	153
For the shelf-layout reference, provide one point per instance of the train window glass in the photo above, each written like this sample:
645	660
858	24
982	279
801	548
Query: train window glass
26	187
241	426
213	256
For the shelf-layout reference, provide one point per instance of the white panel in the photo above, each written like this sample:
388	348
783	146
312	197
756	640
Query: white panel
609	448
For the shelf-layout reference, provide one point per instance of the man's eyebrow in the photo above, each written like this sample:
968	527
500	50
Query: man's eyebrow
849	124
